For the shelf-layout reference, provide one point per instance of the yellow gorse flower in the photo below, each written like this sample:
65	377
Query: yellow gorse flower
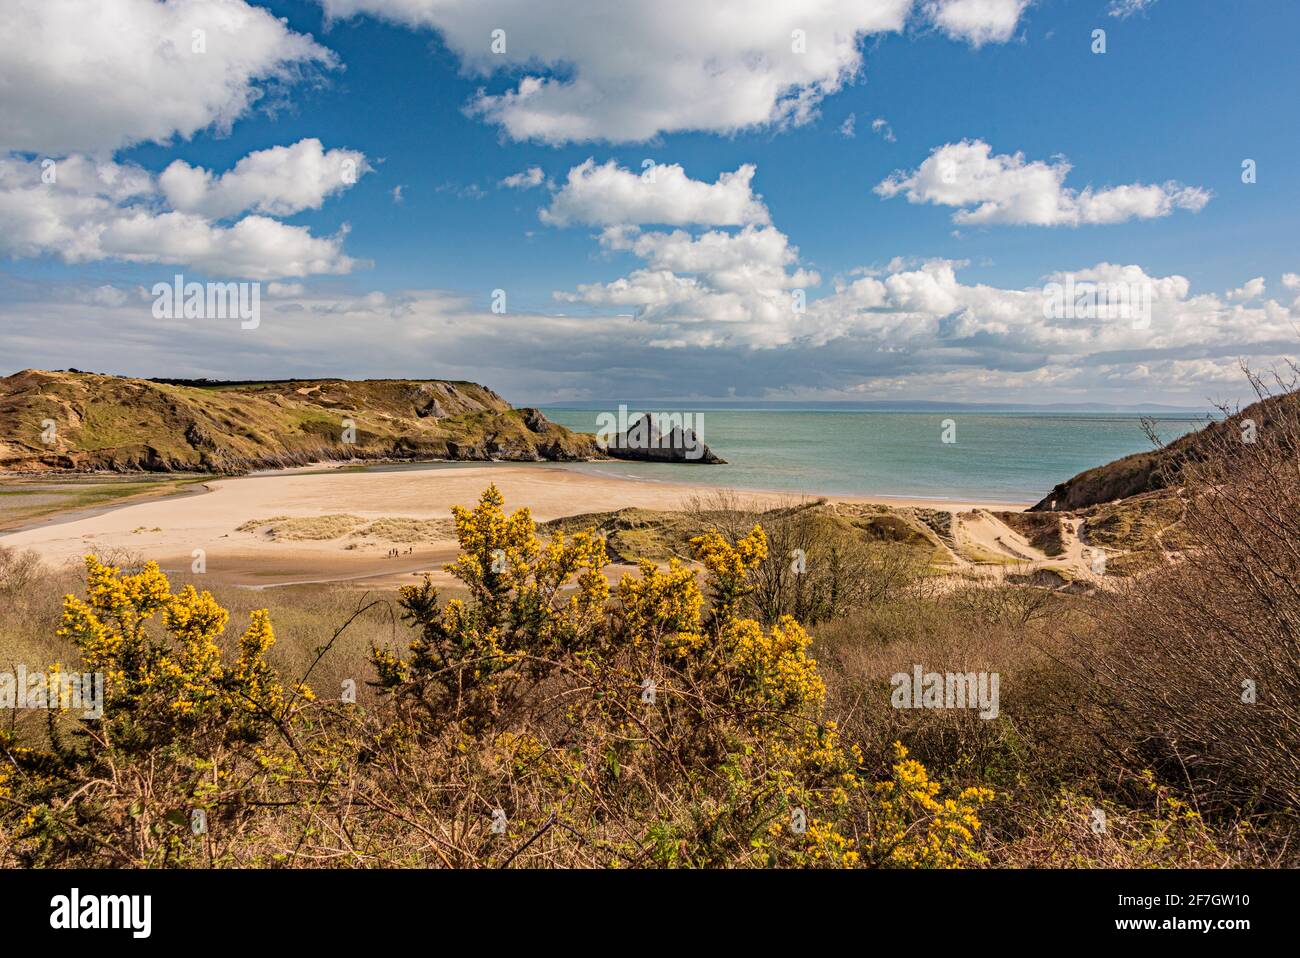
179	665
916	828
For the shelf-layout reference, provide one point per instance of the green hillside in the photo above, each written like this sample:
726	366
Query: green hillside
89	422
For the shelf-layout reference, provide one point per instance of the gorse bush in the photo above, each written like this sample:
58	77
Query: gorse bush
544	718
183	731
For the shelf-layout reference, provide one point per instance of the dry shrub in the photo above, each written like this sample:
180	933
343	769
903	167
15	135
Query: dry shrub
859	654
303	528
18	572
1071	830
1180	649
990	602
819	566
29	598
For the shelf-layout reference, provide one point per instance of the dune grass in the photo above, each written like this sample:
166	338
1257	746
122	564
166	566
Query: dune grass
25	500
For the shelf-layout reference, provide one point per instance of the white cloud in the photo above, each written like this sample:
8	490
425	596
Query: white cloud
1291	280
881	125
609	195
736	290
713	289
1182	380
977	21
100	210
106	295
1123	9
96	77
753	258
913	331
280	181
77	176
1249	290
525	179
717	287
627	71
741	288
255	247
931	309
847	127
1004	188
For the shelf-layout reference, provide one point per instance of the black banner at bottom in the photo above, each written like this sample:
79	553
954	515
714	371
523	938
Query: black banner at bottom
334	908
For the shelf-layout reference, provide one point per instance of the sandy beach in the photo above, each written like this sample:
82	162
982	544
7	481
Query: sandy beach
171	529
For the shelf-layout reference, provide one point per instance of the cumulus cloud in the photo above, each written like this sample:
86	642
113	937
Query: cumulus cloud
738	290
82	210
1005	188
977	21
627	71
914	331
609	195
712	289
741	285
96	77
754	256
525	179
280	181
1252	289
255	247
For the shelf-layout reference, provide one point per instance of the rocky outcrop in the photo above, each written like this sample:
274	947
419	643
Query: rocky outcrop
643	442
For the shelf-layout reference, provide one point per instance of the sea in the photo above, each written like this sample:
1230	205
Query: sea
995	457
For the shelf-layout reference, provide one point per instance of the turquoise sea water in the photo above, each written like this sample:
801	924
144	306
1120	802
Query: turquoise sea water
997	457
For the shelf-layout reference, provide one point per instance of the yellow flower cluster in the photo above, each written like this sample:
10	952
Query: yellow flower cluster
253	675
729	566
825	846
731	562
186	674
497	550
109	626
775	667
916	828
580	558
662	603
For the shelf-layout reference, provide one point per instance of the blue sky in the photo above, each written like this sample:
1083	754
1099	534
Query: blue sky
1185	91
